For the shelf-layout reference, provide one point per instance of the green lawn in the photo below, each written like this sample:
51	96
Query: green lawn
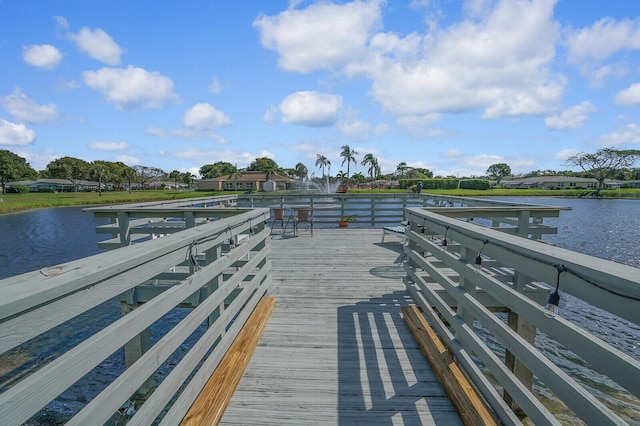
37	200
21	202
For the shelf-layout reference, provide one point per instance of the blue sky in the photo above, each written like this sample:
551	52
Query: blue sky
451	86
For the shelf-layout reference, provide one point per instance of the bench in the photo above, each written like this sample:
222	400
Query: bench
395	230
213	399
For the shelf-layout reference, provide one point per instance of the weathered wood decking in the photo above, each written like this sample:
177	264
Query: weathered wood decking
336	349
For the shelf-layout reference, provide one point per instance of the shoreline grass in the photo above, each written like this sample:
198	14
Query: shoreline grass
13	203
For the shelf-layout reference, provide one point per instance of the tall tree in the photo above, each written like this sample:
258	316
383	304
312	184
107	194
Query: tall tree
301	171
220	168
348	155
147	175
174	176
372	162
321	162
402	167
70	168
262	165
129	174
187	178
114	171
100	173
13	167
604	163
499	171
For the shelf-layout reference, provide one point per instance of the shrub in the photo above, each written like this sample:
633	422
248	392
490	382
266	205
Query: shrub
481	184
18	189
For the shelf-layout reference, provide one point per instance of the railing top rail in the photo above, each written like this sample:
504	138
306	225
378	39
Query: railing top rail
147	204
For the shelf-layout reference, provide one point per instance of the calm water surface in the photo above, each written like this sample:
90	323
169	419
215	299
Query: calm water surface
608	229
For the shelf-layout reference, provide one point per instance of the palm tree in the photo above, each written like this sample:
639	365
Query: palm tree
372	162
129	173
301	171
175	175
321	161
348	155
358	177
99	172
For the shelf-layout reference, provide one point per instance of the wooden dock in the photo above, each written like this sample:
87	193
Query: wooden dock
336	349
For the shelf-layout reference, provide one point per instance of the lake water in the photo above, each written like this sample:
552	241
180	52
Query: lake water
608	229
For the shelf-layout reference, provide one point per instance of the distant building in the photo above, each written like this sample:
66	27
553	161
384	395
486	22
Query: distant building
247	181
58	185
561	182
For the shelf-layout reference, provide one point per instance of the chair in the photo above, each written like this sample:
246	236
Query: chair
304	216
278	216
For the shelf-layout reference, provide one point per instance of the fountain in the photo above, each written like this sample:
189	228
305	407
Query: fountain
327	187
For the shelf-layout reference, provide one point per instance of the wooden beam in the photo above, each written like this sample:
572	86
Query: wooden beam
468	403
209	407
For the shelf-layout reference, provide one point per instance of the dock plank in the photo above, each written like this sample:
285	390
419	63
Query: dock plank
336	349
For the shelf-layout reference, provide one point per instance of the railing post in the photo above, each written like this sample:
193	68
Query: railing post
527	331
523	223
468	286
135	348
124	228
211	256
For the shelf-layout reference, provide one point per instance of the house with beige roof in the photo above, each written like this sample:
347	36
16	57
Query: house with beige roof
247	181
558	182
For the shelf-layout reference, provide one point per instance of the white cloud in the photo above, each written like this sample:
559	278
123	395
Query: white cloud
271	114
357	130
590	47
629	97
26	110
382	128
565	153
310	108
210	156
42	56
497	60
602	40
205	116
322	36
97	44
15	134
500	64
215	86
128	160
109	146
61	22
627	134
200	122
131	87
571	118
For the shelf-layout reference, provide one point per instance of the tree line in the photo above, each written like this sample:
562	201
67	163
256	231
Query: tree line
606	163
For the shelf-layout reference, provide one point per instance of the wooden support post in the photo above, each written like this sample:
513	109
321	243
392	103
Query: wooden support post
468	285
124	228
526	330
134	349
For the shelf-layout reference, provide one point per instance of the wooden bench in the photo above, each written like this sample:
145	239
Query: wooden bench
214	398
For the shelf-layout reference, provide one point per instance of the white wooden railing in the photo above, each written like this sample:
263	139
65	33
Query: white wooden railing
219	268
442	251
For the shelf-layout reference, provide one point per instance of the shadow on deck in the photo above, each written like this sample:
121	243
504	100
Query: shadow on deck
336	349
